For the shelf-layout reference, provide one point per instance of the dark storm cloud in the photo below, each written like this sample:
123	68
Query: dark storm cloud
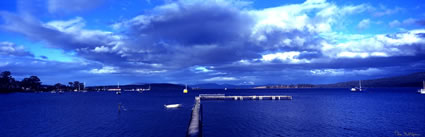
206	33
195	24
176	35
65	35
202	33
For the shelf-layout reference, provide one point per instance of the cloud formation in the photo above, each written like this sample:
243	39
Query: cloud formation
11	49
225	41
364	24
68	6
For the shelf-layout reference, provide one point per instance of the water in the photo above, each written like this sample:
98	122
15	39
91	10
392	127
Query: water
312	112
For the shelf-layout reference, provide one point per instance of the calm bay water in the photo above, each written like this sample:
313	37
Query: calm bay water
312	112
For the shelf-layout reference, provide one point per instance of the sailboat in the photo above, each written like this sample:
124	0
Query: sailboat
119	90
148	88
84	88
422	91
185	90
354	89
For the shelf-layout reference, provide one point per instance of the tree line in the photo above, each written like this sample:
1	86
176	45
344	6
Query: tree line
33	83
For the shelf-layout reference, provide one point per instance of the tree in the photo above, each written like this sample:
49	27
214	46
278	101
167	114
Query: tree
31	83
7	82
76	85
6	74
59	86
71	85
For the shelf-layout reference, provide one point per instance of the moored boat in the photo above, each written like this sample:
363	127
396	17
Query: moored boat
172	106
355	89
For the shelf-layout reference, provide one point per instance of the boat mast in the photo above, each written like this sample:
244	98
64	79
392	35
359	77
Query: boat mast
360	83
118	84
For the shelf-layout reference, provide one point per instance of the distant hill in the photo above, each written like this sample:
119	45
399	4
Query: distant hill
411	80
154	86
221	86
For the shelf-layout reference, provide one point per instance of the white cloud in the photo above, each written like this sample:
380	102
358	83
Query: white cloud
327	72
104	70
286	57
295	17
146	71
364	24
11	49
68	6
201	69
349	72
101	49
394	23
70	25
297	25
400	44
213	79
408	21
368	71
383	11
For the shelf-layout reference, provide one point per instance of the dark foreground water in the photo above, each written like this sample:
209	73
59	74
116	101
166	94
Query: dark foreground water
312	112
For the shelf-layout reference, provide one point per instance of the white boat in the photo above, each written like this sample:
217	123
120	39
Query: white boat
144	89
355	89
422	91
172	106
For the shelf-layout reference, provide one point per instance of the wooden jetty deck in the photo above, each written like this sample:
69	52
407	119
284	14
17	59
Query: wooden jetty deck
195	125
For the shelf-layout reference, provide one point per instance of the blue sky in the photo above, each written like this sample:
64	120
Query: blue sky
211	41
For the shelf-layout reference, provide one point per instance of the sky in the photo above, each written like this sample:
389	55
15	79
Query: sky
102	42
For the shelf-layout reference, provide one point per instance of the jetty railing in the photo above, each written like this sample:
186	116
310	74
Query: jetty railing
195	125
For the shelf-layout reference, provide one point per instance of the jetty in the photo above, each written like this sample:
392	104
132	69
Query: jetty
195	124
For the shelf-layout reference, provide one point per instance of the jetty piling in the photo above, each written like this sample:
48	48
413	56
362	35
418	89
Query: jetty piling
195	125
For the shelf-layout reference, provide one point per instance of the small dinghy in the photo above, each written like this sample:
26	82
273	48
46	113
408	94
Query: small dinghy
172	106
